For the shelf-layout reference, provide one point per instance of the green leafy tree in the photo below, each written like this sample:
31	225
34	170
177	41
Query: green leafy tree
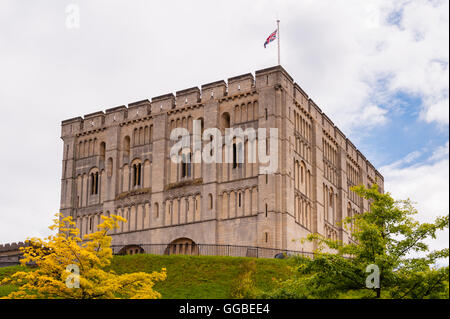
386	240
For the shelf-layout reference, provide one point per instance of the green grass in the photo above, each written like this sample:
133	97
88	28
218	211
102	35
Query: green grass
202	276
196	277
6	272
5	290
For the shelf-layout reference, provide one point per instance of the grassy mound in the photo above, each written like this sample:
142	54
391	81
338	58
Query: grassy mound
209	277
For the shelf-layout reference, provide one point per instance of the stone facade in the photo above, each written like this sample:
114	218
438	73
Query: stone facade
117	162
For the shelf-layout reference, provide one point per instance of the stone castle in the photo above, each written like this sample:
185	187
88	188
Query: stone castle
118	162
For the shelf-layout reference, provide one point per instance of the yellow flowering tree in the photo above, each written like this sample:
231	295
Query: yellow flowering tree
65	266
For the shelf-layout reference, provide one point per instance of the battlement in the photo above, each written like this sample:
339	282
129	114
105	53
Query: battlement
275	76
13	246
163	103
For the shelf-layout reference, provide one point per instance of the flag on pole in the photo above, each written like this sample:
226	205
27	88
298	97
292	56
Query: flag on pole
271	37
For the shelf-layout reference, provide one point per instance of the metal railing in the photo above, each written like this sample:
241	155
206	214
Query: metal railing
207	250
188	249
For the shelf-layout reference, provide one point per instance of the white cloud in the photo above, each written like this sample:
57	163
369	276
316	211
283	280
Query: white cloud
365	60
372	115
436	111
426	183
440	153
343	53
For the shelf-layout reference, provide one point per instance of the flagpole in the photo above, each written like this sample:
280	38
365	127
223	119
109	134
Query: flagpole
278	31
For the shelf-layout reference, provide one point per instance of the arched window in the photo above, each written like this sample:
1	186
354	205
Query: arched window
225	120
135	137
136	173
255	110
126	146
238	154
156	210
302	174
349	215
94	183
80	150
307	218
202	125
137	176
331	208
234	155
102	151
331	199
211	206
186	165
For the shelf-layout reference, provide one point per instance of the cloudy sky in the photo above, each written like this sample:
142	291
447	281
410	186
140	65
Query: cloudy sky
378	69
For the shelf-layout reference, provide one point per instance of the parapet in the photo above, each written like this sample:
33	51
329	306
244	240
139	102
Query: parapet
71	126
162	103
300	96
116	114
96	119
340	137
240	83
187	96
274	69
327	123
314	110
72	120
217	89
275	76
13	246
139	109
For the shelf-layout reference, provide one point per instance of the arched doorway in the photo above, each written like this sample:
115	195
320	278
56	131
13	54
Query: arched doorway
131	250
182	246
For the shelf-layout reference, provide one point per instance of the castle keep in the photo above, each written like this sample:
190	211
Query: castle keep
118	162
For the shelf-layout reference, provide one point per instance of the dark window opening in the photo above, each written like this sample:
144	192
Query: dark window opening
234	156
225	120
210	201
211	140
237	155
137	168
183	166
186	165
94	183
